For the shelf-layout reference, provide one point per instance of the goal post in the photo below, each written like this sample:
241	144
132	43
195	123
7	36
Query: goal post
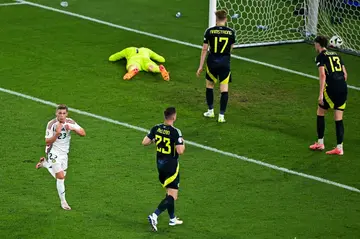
312	18
212	10
270	22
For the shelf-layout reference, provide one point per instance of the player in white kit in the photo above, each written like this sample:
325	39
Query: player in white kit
57	140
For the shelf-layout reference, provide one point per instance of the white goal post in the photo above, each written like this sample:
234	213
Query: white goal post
270	22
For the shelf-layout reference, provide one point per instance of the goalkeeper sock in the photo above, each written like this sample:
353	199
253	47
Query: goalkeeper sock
210	98
320	123
223	102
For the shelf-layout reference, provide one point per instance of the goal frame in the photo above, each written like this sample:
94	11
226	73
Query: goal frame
310	24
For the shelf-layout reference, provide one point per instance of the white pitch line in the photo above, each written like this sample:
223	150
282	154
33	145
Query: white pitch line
169	39
243	158
10	4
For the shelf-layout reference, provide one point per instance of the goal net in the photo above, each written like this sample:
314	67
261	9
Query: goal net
335	18
268	22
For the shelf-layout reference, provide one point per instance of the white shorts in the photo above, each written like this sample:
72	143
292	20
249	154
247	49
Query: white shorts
58	161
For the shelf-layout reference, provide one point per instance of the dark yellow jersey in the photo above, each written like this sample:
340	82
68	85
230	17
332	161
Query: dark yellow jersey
220	40
166	138
333	64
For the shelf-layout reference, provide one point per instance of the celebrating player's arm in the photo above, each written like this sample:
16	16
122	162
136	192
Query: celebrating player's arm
73	126
57	138
51	136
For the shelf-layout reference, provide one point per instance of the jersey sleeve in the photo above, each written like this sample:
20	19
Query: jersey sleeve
72	123
156	57
207	36
49	131
151	134
179	138
119	55
75	126
320	60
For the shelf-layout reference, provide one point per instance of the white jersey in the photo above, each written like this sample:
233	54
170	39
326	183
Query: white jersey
62	143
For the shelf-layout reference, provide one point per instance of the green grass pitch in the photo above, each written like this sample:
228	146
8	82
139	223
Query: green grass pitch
112	180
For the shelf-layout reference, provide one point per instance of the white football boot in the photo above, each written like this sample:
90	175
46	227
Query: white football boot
153	221
175	221
209	114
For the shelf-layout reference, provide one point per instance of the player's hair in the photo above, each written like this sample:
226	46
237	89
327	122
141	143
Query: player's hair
170	111
221	15
323	41
62	107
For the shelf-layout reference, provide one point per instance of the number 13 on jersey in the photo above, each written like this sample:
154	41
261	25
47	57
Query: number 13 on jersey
337	66
220	40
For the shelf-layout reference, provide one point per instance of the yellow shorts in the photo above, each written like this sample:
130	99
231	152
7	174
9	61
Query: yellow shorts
141	63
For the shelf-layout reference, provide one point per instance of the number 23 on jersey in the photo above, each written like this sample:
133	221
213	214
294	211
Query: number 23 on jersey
164	148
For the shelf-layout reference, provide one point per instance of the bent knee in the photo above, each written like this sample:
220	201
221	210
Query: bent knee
173	195
60	175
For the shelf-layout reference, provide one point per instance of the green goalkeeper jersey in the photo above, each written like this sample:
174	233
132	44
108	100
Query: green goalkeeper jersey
134	53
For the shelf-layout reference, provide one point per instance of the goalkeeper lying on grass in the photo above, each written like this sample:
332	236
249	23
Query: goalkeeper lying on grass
139	59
